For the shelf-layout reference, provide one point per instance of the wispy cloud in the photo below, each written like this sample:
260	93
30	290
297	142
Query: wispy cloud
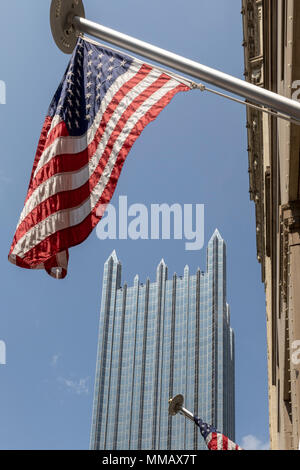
80	387
251	442
54	360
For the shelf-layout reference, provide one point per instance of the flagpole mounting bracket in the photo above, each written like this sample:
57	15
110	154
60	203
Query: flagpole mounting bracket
62	13
175	405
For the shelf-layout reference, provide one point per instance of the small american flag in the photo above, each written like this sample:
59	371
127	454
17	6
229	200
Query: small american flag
100	108
214	439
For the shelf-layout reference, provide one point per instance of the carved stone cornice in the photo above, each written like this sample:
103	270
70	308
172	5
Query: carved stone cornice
254	73
290	225
291	216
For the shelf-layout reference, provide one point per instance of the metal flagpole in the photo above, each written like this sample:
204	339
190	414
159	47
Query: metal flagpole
68	21
175	407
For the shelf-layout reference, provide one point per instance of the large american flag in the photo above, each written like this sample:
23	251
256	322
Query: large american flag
101	106
214	439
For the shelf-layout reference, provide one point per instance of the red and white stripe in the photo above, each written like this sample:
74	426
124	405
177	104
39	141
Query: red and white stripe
217	441
73	176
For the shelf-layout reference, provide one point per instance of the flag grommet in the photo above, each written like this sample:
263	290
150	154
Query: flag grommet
61	19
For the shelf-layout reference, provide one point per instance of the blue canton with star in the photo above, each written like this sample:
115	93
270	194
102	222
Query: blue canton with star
90	73
205	428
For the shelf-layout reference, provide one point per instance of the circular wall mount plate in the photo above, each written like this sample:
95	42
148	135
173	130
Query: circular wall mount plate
62	13
175	405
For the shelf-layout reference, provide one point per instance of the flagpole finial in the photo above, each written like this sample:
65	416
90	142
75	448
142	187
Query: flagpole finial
175	404
61	19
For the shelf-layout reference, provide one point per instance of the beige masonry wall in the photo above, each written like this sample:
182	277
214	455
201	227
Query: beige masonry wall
272	60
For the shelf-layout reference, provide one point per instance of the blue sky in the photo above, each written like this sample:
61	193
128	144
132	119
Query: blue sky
195	152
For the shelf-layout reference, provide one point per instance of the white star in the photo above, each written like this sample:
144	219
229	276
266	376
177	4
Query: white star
77	113
88	73
123	63
99	65
88	95
88	106
110	68
90	52
109	76
111	59
70	102
77	102
100	55
70	92
90	63
89	84
87	117
77	124
98	97
79	53
78	92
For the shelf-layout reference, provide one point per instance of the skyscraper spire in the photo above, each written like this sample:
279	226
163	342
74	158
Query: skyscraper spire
216	234
113	255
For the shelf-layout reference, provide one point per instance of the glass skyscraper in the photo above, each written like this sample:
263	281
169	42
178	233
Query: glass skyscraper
159	339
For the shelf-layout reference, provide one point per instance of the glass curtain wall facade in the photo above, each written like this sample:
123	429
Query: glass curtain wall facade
159	339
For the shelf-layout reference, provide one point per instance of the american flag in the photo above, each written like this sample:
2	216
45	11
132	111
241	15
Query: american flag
214	439
100	108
